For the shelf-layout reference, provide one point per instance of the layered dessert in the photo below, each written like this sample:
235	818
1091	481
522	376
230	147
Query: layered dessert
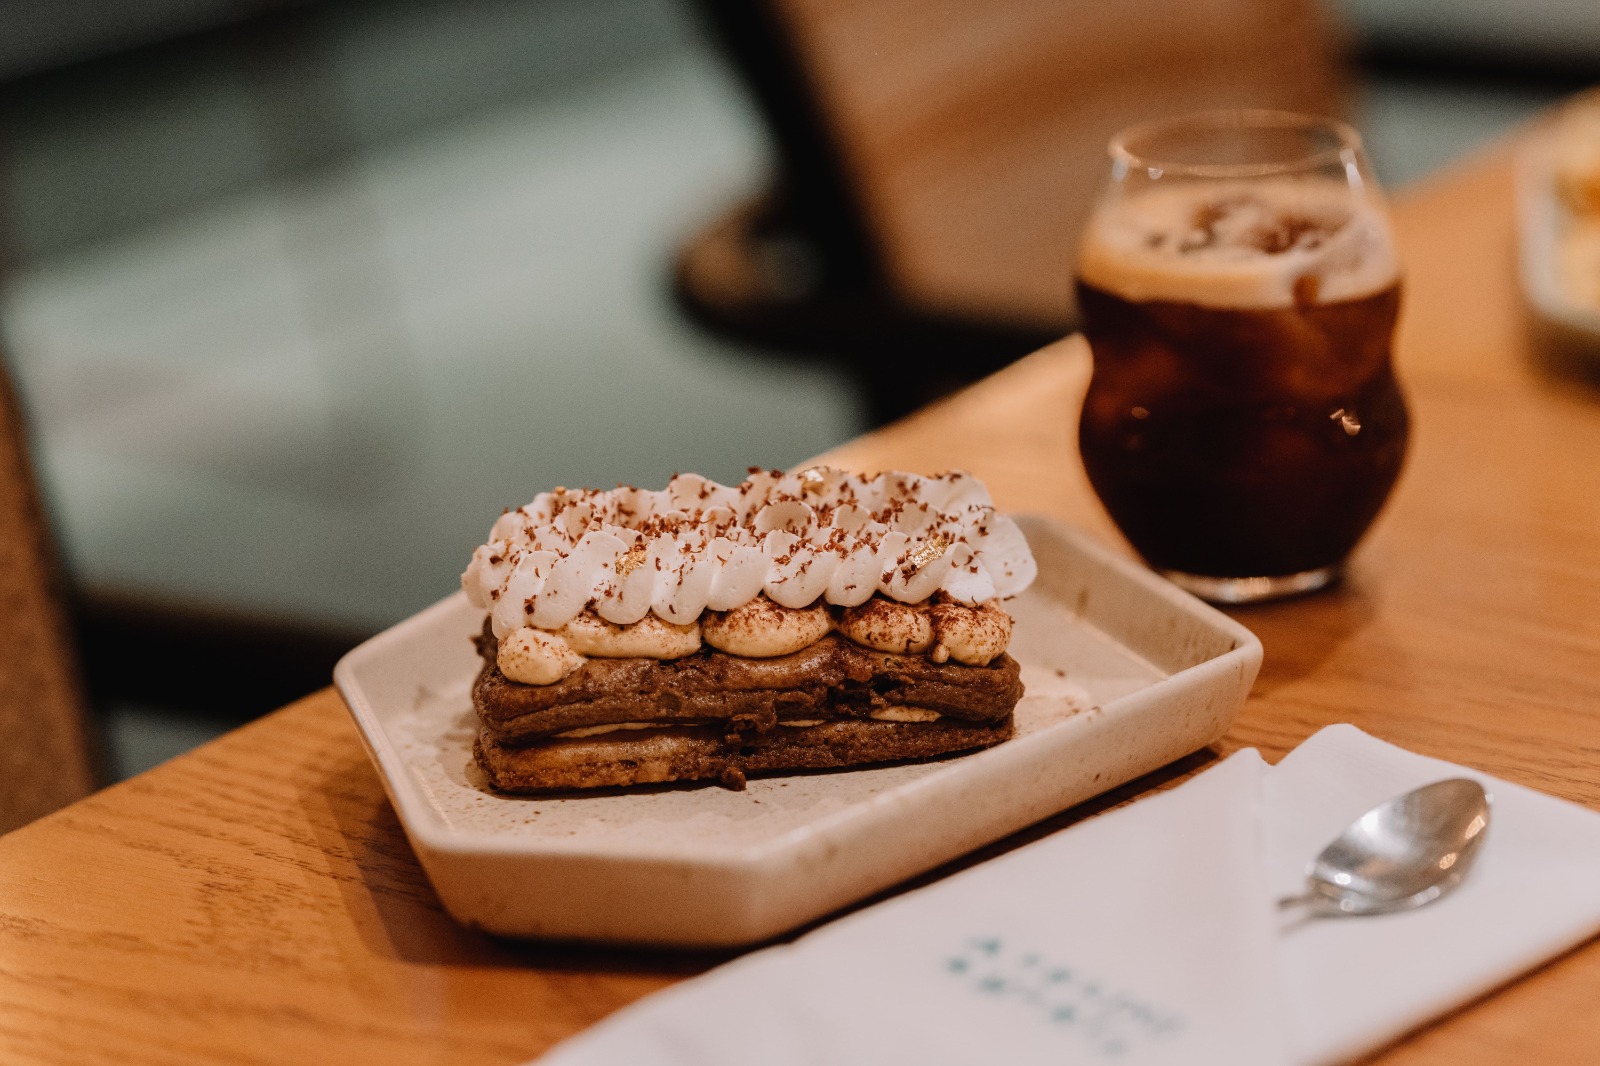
807	620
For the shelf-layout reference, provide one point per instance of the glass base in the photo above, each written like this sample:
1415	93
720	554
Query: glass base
1237	590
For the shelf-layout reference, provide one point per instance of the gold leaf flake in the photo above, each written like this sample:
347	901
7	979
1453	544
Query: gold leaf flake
926	552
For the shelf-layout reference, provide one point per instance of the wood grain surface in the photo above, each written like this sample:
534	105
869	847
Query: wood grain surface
256	902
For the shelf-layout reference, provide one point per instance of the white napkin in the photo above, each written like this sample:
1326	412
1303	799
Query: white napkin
1146	935
1355	984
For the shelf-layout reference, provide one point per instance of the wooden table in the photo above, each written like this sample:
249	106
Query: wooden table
256	901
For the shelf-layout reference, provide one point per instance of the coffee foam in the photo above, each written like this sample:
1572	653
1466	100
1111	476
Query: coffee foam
1236	244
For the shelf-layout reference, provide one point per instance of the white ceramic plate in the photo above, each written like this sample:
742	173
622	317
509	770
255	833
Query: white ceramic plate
1124	672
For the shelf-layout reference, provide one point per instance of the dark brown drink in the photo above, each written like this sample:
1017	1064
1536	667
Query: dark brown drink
1243	425
1234	442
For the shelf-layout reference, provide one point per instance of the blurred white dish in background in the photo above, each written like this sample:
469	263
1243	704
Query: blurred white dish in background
1558	192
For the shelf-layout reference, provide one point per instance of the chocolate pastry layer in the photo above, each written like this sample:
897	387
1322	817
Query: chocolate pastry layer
832	679
700	752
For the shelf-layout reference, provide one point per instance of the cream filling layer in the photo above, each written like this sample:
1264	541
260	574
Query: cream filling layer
906	714
761	629
596	730
886	714
648	638
535	657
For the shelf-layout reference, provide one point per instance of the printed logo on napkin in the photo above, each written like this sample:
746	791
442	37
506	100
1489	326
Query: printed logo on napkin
1112	1021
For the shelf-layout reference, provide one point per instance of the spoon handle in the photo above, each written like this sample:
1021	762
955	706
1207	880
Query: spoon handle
1314	904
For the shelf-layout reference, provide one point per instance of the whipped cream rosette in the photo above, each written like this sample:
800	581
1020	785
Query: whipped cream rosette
816	535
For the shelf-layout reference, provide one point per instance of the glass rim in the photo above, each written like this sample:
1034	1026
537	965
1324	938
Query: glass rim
1348	142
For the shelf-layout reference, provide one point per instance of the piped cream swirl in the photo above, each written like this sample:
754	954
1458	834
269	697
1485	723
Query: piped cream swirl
813	535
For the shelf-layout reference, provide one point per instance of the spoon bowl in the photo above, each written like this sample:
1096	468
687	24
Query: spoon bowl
1402	854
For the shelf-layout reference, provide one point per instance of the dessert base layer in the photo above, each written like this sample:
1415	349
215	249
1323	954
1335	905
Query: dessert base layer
702	752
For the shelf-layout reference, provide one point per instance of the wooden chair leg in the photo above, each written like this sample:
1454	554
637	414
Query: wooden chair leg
44	737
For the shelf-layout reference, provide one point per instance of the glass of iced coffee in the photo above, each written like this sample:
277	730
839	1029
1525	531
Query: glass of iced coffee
1239	288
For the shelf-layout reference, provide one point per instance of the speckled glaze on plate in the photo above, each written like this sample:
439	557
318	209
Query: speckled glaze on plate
1124	673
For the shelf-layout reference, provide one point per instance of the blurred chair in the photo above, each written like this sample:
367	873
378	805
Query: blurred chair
939	157
44	738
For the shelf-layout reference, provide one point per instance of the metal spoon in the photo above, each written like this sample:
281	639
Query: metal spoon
1401	854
